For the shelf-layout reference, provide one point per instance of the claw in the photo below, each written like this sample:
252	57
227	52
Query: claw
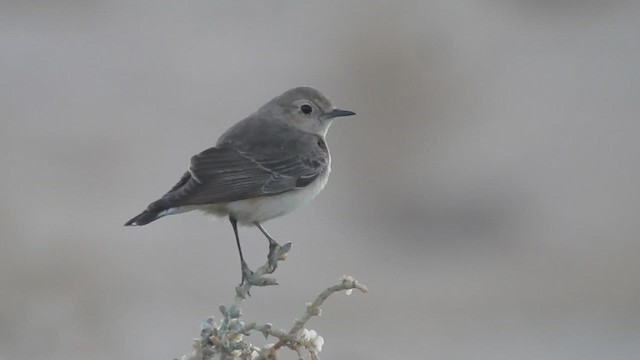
245	271
274	250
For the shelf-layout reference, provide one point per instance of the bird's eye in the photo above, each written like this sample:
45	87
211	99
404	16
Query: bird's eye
306	109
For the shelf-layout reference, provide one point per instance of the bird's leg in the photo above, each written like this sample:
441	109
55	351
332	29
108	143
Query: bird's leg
273	247
243	265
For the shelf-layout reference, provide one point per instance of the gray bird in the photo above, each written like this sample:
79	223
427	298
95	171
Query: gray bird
261	168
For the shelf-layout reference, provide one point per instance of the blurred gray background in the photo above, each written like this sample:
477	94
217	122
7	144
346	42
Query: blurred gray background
487	191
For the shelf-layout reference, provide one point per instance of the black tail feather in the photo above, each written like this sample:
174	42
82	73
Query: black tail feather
144	218
166	205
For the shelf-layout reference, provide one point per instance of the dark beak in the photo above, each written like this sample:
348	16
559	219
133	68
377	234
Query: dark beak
337	113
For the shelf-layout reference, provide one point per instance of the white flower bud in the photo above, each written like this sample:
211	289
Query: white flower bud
305	336
348	291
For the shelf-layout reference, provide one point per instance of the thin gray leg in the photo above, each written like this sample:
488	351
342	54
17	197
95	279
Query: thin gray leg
243	265
273	246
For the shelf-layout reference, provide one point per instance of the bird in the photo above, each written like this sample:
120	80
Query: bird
261	168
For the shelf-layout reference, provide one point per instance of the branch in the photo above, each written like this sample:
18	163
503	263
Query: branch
226	340
256	278
309	338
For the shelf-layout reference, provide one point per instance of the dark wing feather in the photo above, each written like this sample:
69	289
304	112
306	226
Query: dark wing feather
219	175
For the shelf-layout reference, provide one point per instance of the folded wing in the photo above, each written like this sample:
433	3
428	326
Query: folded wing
223	175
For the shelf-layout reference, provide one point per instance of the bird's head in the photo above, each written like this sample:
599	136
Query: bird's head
306	109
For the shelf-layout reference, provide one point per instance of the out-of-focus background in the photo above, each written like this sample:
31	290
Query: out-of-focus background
487	191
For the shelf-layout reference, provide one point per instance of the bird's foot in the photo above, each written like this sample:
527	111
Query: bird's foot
276	253
272	257
245	272
249	277
258	278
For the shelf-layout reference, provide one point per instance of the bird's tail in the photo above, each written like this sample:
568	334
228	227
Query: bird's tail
148	216
143	218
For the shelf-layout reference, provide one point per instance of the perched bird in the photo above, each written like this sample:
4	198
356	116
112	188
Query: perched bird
262	167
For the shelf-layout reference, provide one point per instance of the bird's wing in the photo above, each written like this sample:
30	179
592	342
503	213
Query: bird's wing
219	175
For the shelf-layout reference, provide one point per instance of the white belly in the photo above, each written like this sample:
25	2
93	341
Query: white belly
263	208
268	207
